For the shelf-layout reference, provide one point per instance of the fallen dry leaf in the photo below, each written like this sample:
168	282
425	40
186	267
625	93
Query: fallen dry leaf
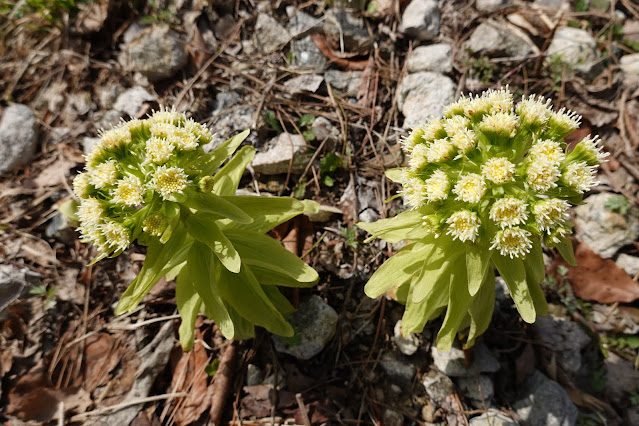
600	279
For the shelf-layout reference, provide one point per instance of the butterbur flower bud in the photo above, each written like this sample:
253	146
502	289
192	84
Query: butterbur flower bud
151	182
486	185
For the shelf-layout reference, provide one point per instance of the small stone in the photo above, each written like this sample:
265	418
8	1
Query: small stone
630	64
490	5
492	418
435	57
424	95
438	387
108	94
253	375
304	83
347	82
421	20
575	48
306	54
407	345
621	377
131	100
492	39
397	369
314	323
604	230
348	29
555	4
157	53
453	362
545	403
323	129
17	137
628	263
230	116
60	228
281	151
632	415
478	389
392	418
428	411
12	282
301	23
564	338
270	35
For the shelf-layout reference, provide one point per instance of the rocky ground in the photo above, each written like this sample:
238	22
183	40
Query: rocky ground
328	89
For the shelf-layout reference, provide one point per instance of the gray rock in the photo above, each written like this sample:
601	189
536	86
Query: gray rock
621	377
421	20
545	403
324	129
314	323
424	95
110	118
230	116
628	263
492	39
13	280
397	369
630	64
564	338
575	48
347	82
253	375
435	57
301	23
280	151
270	35
489	5
17	137
304	83
108	94
157	53
407	345
492	418
306	54
453	362
392	418
605	231
438	388
632	415
348	29
478	390
131	100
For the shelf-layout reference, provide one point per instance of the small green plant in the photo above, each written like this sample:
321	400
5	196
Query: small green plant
48	293
486	185
597	379
305	122
161	12
618	204
272	122
52	12
350	236
328	165
151	181
634	396
482	69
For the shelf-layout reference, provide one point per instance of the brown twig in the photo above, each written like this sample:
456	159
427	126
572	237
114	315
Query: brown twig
222	383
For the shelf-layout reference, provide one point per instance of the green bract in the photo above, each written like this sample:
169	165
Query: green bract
151	181
485	185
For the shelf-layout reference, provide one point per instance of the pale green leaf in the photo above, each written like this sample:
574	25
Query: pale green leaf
274	276
188	304
227	179
394	229
459	299
397	270
267	212
211	203
514	273
220	154
266	252
172	215
246	296
538	297
477	263
566	251
244	329
417	315
534	263
481	309
441	262
278	300
395	175
210	234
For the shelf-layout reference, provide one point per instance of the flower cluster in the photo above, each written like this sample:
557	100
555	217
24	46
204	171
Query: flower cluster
485	184
152	181
503	165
